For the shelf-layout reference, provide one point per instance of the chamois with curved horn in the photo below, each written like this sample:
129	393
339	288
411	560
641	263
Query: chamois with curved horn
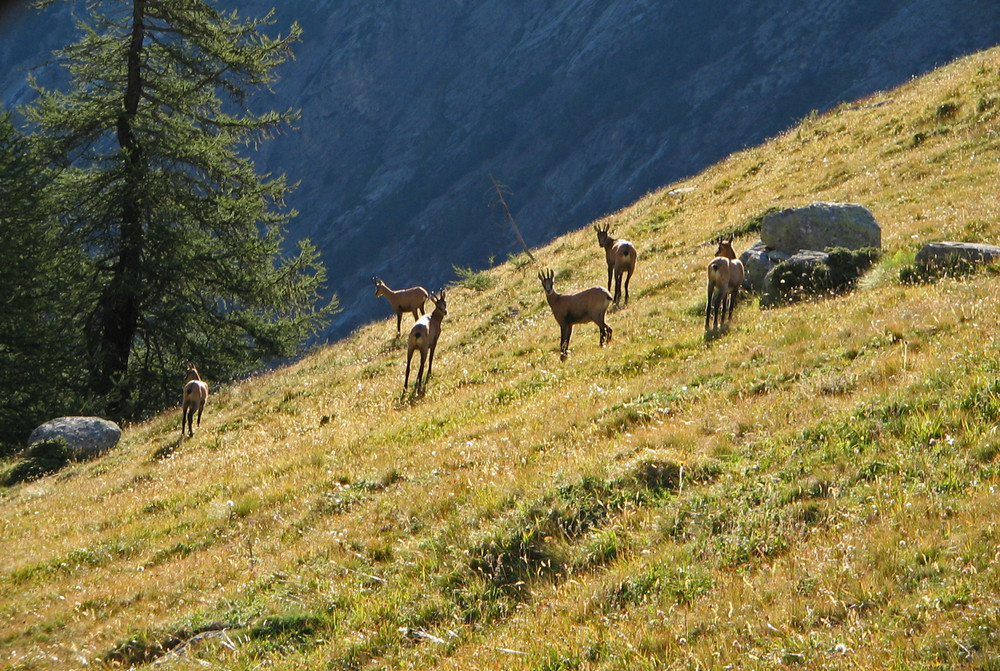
193	400
725	277
403	300
424	336
589	305
621	257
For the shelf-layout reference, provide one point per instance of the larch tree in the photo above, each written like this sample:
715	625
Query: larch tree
151	139
41	334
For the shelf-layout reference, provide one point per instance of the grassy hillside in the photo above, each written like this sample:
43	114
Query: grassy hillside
815	487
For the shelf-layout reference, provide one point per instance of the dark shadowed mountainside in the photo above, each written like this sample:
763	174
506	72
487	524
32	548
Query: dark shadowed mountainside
578	107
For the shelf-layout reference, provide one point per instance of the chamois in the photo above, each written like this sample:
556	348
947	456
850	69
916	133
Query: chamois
424	336
588	305
404	300
725	277
195	396
621	257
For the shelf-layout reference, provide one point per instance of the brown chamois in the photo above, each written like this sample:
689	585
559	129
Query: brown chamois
589	305
621	257
404	300
725	277
424	336
194	398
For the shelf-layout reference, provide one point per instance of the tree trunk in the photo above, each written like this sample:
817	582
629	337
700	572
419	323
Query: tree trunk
120	302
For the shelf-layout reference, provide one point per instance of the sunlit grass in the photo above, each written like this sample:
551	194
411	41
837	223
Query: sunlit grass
814	486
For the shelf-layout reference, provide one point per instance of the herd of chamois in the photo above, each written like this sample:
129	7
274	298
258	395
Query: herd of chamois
725	278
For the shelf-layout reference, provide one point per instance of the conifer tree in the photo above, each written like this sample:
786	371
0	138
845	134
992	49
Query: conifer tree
41	346
151	139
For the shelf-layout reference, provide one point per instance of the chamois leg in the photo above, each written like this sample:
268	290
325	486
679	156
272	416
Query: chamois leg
719	297
605	333
420	372
409	357
732	301
628	278
708	306
564	333
201	406
399	322
430	359
618	286
610	273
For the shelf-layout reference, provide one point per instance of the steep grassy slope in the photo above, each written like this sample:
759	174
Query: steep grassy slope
816	486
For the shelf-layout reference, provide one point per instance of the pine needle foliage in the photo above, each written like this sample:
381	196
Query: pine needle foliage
150	143
40	280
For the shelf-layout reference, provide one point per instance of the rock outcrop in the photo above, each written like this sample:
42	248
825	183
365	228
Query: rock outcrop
941	254
803	236
88	437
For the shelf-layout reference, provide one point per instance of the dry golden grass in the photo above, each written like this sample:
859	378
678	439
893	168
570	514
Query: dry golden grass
814	487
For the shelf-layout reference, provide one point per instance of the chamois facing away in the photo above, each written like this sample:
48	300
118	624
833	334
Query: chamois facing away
404	300
589	305
194	398
725	277
621	257
424	336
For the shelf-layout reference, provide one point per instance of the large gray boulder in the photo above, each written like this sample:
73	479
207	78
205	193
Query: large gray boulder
940	254
89	436
820	226
757	263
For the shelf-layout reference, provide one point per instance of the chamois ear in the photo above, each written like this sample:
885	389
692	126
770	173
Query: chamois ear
374	280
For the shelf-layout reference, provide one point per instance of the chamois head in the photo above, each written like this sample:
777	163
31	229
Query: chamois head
725	249
603	237
440	303
548	280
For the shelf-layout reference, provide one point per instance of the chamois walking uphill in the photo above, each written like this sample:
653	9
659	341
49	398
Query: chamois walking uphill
621	257
194	398
589	305
404	300
725	277
424	336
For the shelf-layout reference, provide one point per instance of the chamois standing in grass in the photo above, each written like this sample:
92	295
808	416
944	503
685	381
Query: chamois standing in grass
404	300
589	305
621	257
725	277
424	336
194	398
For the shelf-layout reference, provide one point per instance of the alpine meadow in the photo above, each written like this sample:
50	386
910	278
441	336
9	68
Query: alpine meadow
814	486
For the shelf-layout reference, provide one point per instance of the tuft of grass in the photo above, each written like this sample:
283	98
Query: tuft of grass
471	279
43	458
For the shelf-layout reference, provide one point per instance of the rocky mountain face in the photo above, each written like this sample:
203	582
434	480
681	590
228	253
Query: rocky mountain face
577	106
